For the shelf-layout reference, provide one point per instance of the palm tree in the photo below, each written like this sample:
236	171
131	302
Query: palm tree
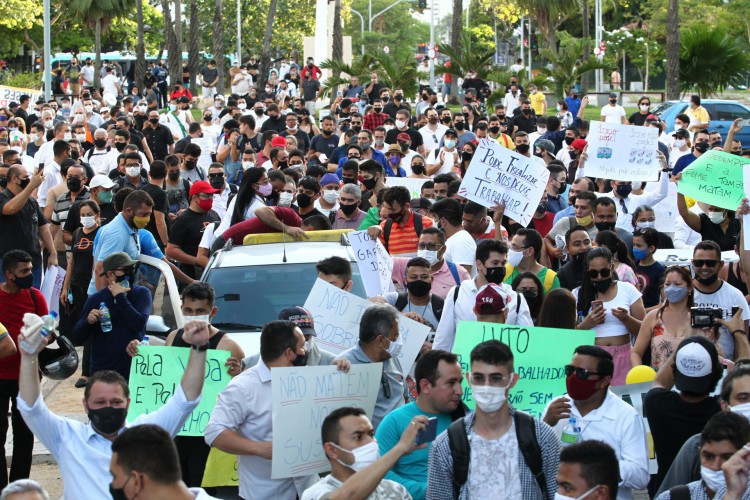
727	65
140	48
456	32
341	73
673	50
397	73
566	67
175	56
194	45
97	14
549	16
265	55
218	44
466	58
587	36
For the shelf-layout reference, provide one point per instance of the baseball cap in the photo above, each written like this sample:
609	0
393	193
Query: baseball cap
451	132
302	317
329	179
117	260
579	144
101	180
278	142
184	99
403	136
104	110
202	187
696	362
545	144
612	94
490	300
681	133
13	104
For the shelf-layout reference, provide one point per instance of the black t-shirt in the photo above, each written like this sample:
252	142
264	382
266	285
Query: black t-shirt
209	75
310	89
160	204
20	231
713	232
416	137
187	232
314	211
375	92
73	222
391	108
158	140
83	257
673	421
303	140
274	123
650	279
525	123
638	119
136	138
324	145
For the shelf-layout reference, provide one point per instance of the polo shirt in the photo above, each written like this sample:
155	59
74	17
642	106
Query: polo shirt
403	239
339	222
442	279
158	140
537	102
697	115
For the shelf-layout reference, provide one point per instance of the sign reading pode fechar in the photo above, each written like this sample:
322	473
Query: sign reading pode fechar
541	369
622	152
498	174
13	94
302	399
337	314
155	372
375	264
715	179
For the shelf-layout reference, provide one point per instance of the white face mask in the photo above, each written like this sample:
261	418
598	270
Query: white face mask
89	108
17	149
172	107
363	456
680	143
489	399
47	123
644	107
714	479
203	317
247	164
430	255
388	128
645	224
541	130
67	136
743	410
285	199
558	496
242	105
142	109
450	144
514	258
400	124
34	137
677	127
88	222
133	171
395	348
716	217
559	108
292	127
78	118
331	196
81	137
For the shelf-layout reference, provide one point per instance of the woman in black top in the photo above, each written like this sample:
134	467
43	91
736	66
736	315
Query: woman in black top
719	225
644	109
78	276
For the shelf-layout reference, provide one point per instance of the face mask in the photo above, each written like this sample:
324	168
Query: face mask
120	146
205	205
639	254
349	209
285	199
25	182
172	107
394	160
379	142
142	109
624	190
378	110
675	293
558	496
400	124
419	288
73	185
100	143
247	164
645	224
105	196
459	126
579	389
701	147
602	286
217	183
331	196
154	120
542	207
514	257
369	183
450	144
488	399
67	136
78	118
605	226
265	189
190	164
206	318
714	479
716	217
495	275
89	108
569	140
34	137
559	108
388	128
394	349
680	143
88	222
141	221
644	107
173	176
522	148
584	221
541	130
707	281
418	169
133	171
743	409
108	420
494	130
81	137
613	101
363	456
25	282
303	200
430	255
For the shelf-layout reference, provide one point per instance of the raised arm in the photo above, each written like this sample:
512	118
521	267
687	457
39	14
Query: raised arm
692	219
733	129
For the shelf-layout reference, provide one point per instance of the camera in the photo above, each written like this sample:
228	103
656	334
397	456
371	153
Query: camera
705	316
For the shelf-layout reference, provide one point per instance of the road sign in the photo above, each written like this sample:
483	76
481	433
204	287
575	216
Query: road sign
431	53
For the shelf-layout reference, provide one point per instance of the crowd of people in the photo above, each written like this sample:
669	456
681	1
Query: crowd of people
91	187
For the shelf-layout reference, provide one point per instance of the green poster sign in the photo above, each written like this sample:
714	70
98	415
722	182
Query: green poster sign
154	374
715	179
539	355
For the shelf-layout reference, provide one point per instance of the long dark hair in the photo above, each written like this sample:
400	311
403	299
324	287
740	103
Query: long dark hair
556	310
650	236
246	193
533	277
587	292
616	246
685	274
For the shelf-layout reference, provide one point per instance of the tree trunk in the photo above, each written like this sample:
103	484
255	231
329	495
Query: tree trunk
265	56
140	49
587	46
194	47
175	52
98	50
219	45
337	52
169	38
456	27
673	50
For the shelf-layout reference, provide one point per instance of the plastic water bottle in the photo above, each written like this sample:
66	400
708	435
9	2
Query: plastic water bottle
145	340
33	338
70	296
560	243
105	319
125	284
572	433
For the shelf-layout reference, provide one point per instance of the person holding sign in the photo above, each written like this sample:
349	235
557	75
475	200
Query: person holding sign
717	225
418	301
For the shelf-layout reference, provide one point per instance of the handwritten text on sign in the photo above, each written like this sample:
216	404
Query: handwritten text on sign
337	315
715	179
302	399
622	152
154	374
375	264
541	370
498	174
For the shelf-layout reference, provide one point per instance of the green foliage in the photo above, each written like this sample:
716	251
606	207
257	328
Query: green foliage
20	14
641	48
711	60
566	67
361	67
394	71
23	80
469	57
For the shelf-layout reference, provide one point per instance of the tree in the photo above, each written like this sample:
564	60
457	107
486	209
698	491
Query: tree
337	52
673	50
341	72
467	58
548	16
140	51
397	72
218	45
175	53
641	50
455	42
265	56
194	45
727	65
566	68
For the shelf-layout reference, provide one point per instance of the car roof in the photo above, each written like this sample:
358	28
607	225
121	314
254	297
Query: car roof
707	101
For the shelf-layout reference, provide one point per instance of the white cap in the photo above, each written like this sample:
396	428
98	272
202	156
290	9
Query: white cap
693	360
104	110
101	180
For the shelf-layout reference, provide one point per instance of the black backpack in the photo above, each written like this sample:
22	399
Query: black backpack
435	302
527	444
389	224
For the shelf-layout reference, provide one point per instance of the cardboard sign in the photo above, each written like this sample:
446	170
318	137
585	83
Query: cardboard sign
684	257
666	210
634	394
622	152
302	399
716	178
221	470
413	185
10	94
155	372
337	315
539	358
52	284
498	174
375	264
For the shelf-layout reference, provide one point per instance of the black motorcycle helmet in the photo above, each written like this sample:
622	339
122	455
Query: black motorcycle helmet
59	363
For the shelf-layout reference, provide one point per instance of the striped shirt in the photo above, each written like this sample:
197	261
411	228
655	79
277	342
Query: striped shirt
62	207
403	239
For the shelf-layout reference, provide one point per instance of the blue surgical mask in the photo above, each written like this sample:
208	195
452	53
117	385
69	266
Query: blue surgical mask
640	254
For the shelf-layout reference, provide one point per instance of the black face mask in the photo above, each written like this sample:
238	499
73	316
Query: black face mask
348	209
531	300
419	288
24	283
494	130
25	182
602	286
605	226
446	120
579	258
707	281
378	110
282	165
100	143
108	420
300	360
523	148
217	183
303	200
74	154
120	146
153	120
495	275
349	180
465	156
459	126
117	493
207	118
571	199
418	169
542	207
73	184
190	164
173	176
569	140
369	183
357	128
701	146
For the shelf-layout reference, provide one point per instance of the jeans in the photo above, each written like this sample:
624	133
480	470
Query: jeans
23	439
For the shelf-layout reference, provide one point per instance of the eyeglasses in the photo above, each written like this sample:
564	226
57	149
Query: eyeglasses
517	249
704	262
581	373
429	246
604	273
216	175
532	292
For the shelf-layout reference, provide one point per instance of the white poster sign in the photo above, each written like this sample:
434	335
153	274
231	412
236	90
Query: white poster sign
375	264
746	218
666	210
634	394
622	152
337	315
13	94
302	398
413	185
684	256
498	174
52	284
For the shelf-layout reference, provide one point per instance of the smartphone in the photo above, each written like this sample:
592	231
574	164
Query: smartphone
745	122
339	93
597	305
429	433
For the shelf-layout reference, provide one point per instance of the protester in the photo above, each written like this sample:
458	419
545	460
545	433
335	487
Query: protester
648	272
588	468
460	247
529	285
558	310
623	265
24	489
524	253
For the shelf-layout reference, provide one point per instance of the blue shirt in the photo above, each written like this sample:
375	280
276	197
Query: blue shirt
569	211
376	155
117	236
411	469
573	105
682	163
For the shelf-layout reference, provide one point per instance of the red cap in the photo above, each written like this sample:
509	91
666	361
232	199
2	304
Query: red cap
202	187
278	142
579	144
403	136
490	300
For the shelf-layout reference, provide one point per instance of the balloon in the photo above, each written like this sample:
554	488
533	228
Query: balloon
640	373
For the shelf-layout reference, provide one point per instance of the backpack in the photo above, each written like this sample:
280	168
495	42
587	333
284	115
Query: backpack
527	444
681	492
435	302
454	272
233	189
389	224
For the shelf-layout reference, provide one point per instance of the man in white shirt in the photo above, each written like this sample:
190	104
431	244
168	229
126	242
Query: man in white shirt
613	112
110	83
242	82
603	416
442	161
177	117
217	177
491	258
83	451
95	156
512	99
45	153
433	132
52	175
460	247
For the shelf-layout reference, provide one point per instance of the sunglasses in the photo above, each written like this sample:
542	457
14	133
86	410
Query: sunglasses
604	273
217	175
581	373
704	262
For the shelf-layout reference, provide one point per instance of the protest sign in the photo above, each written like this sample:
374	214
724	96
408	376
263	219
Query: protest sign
13	94
52	284
375	264
337	315
498	174
302	399
221	470
715	179
413	185
746	217
684	257
155	372
634	394
540	356
622	152
665	211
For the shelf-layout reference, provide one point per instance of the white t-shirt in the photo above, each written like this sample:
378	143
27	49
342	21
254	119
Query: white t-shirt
675	155
493	466
613	114
209	236
725	297
461	249
626	296
447	167
386	490
432	139
109	83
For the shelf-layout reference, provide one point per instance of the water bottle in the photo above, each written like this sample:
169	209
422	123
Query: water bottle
145	340
33	337
70	296
572	433
560	243
105	320
125	284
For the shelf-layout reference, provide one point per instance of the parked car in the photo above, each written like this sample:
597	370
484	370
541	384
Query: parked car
721	112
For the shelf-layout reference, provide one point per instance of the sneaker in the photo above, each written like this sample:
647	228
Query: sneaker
81	382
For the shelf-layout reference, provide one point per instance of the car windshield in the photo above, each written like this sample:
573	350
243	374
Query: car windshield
661	108
248	297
